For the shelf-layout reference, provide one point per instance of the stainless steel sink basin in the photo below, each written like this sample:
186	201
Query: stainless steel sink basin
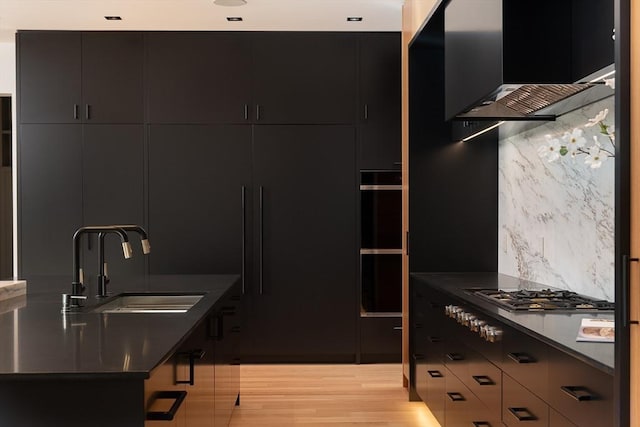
150	303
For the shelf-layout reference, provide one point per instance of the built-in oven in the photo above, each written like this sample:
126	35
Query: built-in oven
381	243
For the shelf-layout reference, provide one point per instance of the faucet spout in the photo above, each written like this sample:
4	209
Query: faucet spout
77	287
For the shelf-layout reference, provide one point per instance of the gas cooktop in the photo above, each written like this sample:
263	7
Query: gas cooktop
542	300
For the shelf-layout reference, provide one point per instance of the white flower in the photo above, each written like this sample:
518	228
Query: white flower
574	141
611	83
596	156
551	150
598	118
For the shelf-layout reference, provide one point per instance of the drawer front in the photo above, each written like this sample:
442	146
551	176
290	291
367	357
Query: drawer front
520	407
526	360
557	420
583	394
436	390
463	408
381	339
421	376
485	381
456	357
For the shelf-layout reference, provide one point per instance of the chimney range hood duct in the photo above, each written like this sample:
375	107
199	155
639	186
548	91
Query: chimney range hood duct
516	60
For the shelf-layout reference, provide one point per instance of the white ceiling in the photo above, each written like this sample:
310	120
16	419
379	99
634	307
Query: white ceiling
258	15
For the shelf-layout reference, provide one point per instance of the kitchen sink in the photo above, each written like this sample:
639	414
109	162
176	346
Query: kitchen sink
150	303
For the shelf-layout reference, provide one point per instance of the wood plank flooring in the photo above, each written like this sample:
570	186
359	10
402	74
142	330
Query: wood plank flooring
327	395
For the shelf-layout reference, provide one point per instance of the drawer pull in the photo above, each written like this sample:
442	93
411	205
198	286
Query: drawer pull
521	358
418	356
192	355
481	423
522	414
178	397
435	339
455	356
456	397
579	393
483	380
435	374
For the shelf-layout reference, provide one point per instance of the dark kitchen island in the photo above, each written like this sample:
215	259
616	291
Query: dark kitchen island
120	369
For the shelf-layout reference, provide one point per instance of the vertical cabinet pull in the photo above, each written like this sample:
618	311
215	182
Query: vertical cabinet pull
522	414
244	235
626	260
257	111
75	111
87	111
366	111
261	241
176	396
246	111
578	393
192	355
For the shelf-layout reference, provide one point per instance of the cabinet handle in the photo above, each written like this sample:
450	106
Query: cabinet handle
435	374
455	356
483	380
177	396
246	111
87	111
244	235
626	260
418	356
366	111
481	423
579	393
521	358
435	339
456	397
522	414
257	111
261	242
75	111
192	355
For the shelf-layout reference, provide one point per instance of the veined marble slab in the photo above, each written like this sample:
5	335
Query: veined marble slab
12	288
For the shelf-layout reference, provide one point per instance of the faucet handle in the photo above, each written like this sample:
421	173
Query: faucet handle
70	302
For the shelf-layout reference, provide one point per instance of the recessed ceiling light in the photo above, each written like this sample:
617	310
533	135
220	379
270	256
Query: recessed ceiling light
234	18
354	18
113	18
230	2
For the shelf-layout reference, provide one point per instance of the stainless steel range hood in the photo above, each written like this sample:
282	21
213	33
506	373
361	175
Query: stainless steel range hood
513	60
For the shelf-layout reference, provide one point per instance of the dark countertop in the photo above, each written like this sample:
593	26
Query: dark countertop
556	329
36	339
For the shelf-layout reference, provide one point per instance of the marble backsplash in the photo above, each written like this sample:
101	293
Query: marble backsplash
556	219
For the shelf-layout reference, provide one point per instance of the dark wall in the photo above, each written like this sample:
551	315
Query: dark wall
453	186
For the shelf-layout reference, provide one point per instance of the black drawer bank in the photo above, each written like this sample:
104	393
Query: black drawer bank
531	373
86	368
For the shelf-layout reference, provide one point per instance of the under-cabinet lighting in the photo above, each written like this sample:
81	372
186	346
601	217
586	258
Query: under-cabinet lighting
482	131
602	77
113	18
354	18
234	18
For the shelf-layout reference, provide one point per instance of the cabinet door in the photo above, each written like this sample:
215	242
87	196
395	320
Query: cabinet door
50	197
49	75
112	89
198	77
380	96
303	302
592	44
113	192
196	178
304	78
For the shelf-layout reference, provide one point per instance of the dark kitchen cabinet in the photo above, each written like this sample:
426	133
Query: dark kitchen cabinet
304	78
302	302
199	198
592	44
520	407
73	77
380	95
49	76
199	77
463	408
525	359
50	197
113	192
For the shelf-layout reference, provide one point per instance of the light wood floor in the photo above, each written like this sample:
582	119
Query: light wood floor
327	395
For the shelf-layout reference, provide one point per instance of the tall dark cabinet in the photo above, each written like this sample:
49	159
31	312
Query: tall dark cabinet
238	151
302	302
